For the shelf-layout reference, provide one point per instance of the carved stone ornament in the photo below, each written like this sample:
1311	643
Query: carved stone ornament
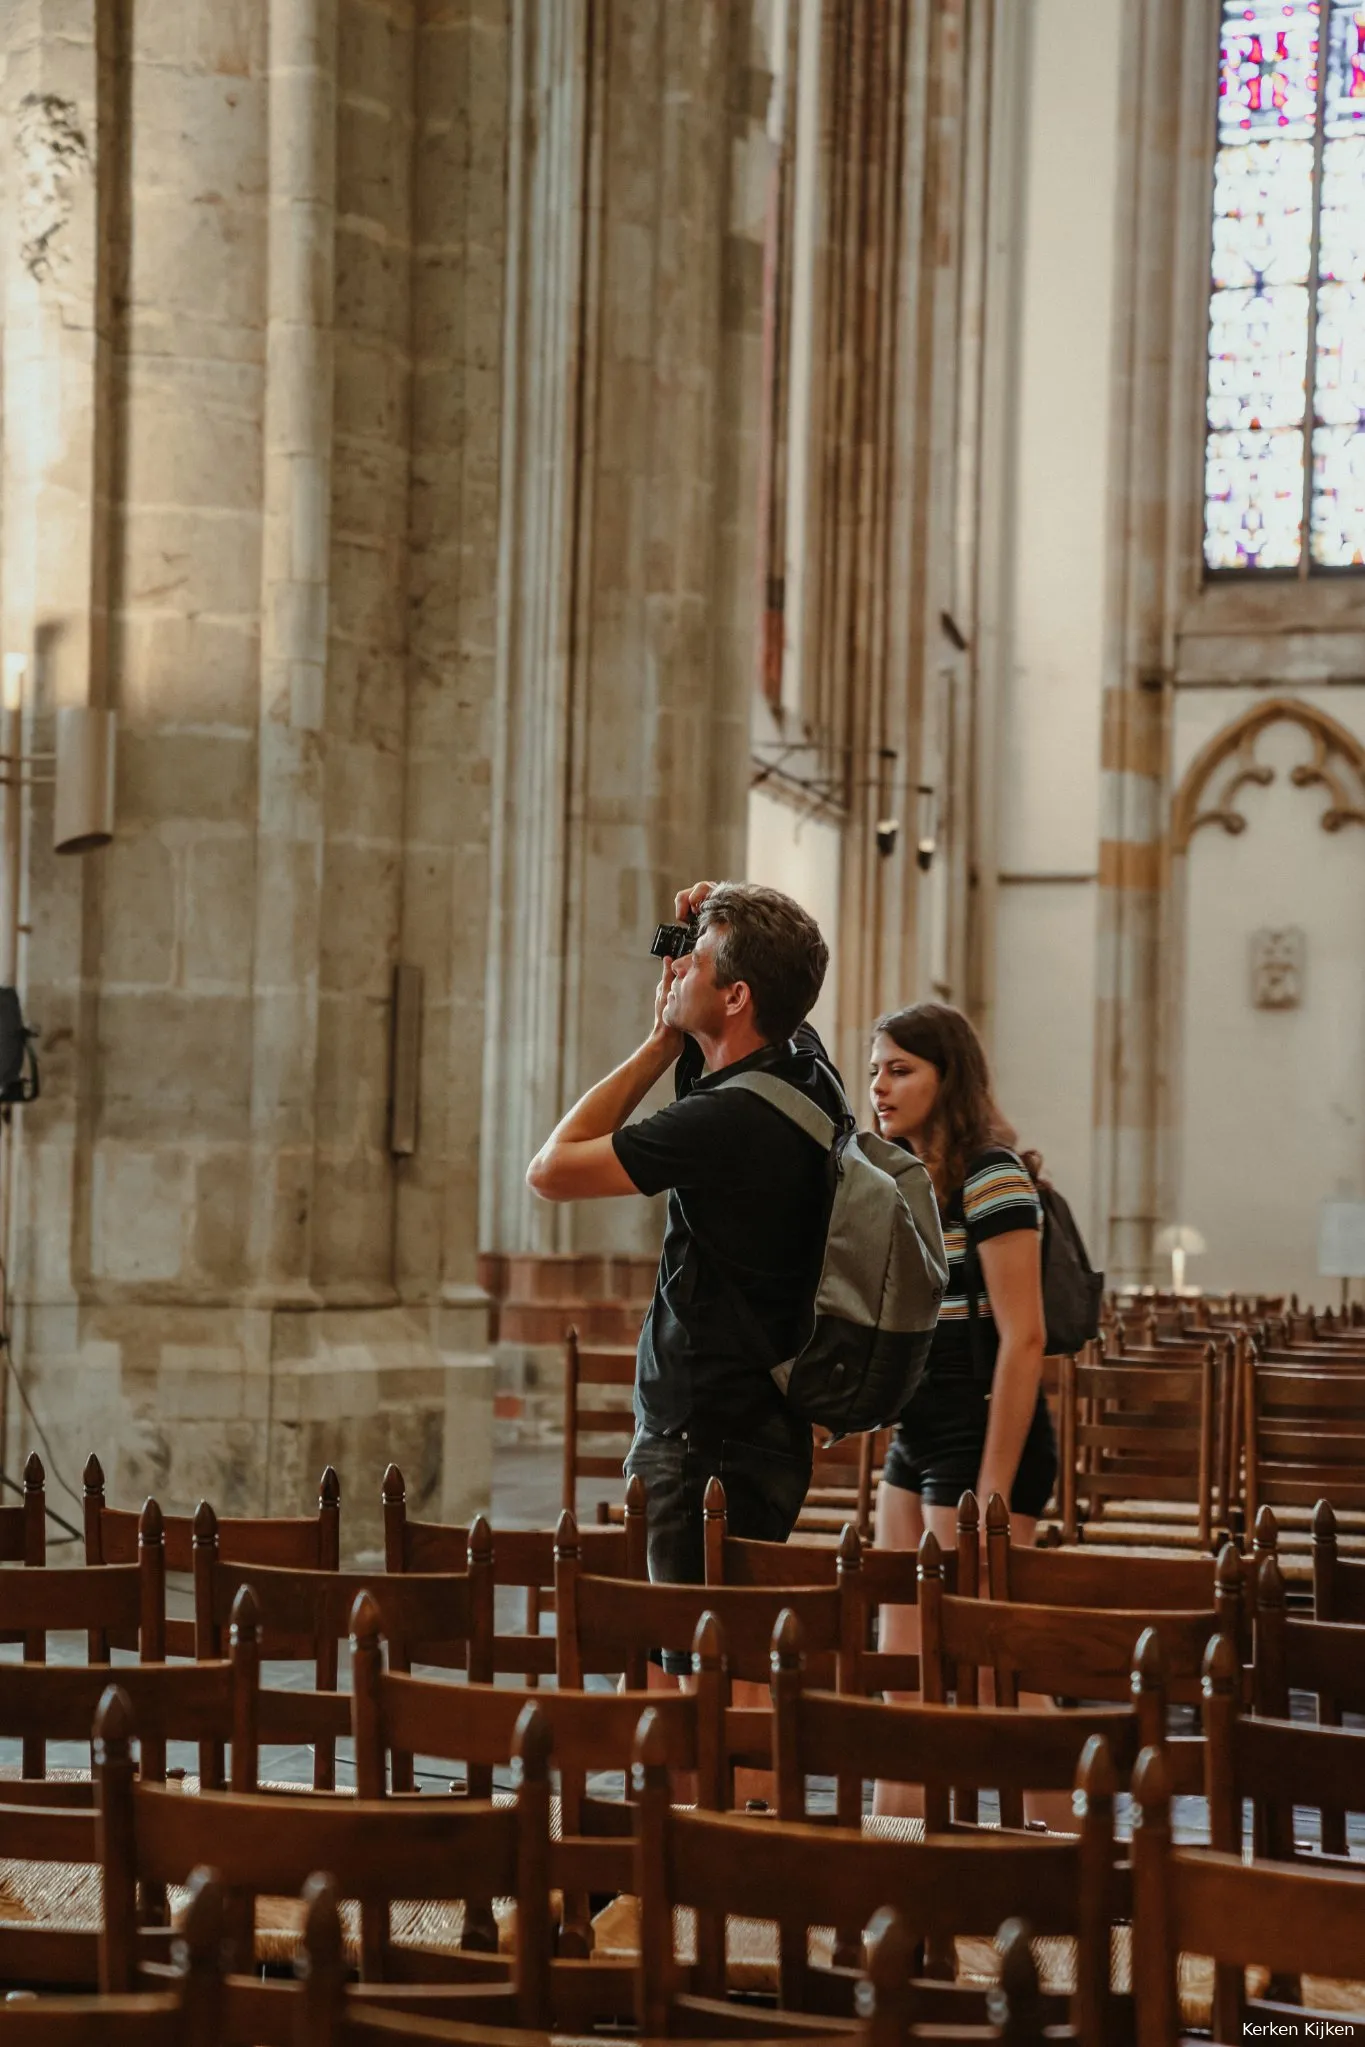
1277	968
1208	794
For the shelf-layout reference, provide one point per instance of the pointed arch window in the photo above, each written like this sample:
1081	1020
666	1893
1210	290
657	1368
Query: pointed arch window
1285	453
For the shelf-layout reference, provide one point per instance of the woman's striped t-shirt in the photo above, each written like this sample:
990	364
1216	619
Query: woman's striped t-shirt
997	1196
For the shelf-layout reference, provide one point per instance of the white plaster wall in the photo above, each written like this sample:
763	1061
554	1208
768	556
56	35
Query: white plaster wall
800	854
1049	737
1271	1111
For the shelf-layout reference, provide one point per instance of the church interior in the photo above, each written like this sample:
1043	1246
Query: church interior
478	468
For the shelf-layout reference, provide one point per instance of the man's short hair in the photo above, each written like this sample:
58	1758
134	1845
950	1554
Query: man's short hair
769	942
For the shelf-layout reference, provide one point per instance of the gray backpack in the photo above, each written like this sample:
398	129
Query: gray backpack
881	1279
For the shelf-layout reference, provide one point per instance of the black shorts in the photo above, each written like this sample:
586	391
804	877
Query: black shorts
765	1470
936	1450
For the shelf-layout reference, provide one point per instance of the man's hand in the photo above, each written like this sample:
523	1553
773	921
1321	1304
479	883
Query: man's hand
688	901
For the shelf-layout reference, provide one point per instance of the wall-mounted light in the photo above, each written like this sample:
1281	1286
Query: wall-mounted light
926	833
888	832
83	810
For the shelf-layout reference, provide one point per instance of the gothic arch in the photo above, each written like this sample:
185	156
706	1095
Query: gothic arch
1338	766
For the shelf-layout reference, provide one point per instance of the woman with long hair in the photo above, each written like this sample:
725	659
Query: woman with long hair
978	1420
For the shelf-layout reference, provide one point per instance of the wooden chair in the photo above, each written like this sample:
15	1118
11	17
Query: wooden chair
23	1540
889	2000
1294	1653
1338	1581
853	1740
518	1557
796	1876
588	1732
413	1849
869	1579
441	1618
1166	1346
1092	1577
1139	1433
52	1822
600	1371
1276	1764
1073	1652
1203	1901
188	2014
125	1604
843	1481
608	1625
1305	1435
952	1755
300	1542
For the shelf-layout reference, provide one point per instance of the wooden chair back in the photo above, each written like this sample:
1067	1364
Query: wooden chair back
54	1821
123	1606
890	2002
187	2014
1206	1901
1338	1581
1278	1765
1072	1652
1092	1577
1296	1653
412	1849
23	1540
868	1578
301	1542
441	1618
519	1558
843	1481
1305	1435
740	1560
798	1876
609	1625
598	1379
1138	1432
593	1851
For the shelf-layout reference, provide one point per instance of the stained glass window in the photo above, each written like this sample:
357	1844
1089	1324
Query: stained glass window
1285	457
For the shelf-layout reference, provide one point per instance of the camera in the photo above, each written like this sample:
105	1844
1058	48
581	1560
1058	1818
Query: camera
671	941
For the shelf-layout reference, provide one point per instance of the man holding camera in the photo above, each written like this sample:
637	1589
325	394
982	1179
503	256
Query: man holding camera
747	1198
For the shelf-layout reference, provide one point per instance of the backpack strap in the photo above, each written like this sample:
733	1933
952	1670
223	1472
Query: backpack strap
799	1109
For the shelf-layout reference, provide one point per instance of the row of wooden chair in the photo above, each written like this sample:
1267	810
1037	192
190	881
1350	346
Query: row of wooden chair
202	2005
1188	1434
793	1873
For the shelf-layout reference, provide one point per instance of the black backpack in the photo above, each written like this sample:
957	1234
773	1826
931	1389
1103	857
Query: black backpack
1072	1289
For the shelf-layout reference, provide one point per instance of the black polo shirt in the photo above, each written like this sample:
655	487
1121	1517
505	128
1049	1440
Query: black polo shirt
747	1200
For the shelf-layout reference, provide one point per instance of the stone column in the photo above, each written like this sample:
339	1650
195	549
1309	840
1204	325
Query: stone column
1148	567
609	784
295	564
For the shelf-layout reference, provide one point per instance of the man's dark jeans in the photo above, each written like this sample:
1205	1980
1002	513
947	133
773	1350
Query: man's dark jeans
765	1470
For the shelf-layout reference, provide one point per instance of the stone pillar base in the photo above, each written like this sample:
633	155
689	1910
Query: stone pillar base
244	1407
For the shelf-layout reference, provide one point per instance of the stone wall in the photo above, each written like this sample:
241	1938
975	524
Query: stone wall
252	417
